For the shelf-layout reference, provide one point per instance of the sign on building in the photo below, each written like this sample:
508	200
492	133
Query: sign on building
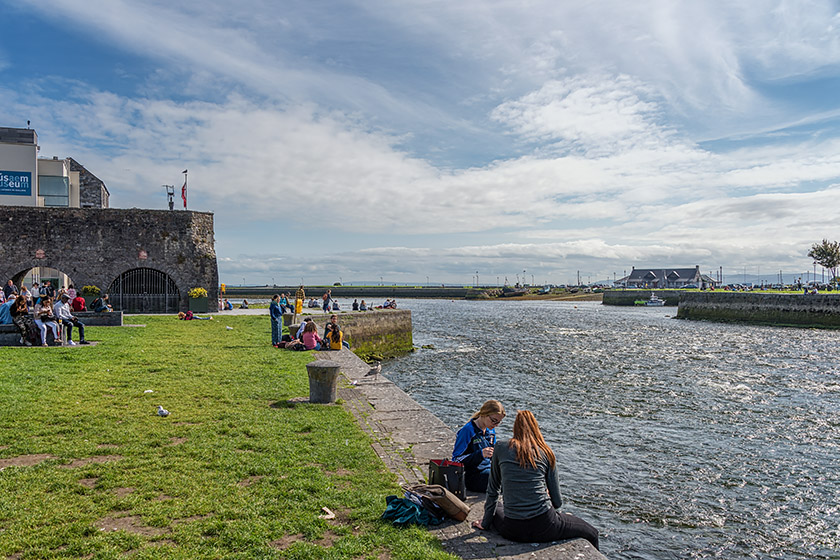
16	183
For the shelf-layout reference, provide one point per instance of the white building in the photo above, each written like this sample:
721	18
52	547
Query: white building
28	180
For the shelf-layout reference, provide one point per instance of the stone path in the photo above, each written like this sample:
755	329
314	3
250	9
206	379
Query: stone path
406	435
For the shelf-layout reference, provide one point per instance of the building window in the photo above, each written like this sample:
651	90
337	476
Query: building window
55	190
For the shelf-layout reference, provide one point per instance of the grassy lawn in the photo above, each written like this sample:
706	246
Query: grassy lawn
236	471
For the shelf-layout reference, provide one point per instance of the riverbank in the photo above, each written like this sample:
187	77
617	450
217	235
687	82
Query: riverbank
242	466
406	436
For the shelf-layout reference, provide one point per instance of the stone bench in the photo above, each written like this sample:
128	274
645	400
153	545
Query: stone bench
105	319
9	335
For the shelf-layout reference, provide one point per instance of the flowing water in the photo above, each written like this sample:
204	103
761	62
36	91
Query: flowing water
676	439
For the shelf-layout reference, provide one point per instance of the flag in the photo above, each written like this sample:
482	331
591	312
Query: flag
184	194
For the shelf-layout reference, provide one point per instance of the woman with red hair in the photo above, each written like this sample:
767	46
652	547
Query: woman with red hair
526	468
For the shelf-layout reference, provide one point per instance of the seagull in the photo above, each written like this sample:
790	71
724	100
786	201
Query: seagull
374	371
162	411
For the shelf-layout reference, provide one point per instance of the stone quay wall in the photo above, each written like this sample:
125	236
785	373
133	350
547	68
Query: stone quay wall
383	333
629	297
94	246
373	295
816	310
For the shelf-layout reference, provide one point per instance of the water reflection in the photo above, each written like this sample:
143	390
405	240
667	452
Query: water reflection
677	439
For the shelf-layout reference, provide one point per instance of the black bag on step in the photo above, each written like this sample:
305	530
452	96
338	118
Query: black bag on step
450	475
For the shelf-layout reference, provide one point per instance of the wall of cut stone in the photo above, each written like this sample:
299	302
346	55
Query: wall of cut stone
94	246
817	310
629	297
383	333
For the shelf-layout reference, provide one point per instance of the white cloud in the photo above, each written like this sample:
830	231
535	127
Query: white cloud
285	111
596	114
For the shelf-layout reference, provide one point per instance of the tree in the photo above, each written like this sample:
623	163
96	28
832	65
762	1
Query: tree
827	255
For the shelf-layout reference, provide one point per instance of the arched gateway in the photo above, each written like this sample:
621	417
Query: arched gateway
144	290
152	257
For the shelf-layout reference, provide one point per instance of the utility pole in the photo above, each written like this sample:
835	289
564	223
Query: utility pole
170	194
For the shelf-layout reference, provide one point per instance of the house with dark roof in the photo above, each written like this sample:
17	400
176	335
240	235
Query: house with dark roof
659	278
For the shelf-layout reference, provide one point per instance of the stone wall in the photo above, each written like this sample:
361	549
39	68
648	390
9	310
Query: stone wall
772	309
629	297
92	190
373	295
384	333
94	246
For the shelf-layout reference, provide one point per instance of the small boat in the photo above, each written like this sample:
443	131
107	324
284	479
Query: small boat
507	291
654	301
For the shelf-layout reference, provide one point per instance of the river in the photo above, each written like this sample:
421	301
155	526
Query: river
676	439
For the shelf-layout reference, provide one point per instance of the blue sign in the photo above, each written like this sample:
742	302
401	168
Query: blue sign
16	182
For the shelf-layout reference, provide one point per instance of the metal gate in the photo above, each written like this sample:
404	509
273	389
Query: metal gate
144	290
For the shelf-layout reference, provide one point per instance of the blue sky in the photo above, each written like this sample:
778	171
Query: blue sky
410	140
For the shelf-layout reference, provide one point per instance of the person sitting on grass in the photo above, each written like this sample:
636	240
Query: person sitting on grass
244	304
310	337
189	316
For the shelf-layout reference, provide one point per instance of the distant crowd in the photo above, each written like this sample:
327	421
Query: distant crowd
44	315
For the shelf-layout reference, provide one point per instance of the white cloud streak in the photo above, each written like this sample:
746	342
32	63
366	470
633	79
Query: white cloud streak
606	106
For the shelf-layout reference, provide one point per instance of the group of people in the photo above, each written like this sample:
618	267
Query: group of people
333	339
524	469
306	336
42	309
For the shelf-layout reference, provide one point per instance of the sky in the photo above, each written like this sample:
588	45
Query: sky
424	141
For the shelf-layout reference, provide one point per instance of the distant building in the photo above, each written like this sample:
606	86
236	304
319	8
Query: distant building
659	278
58	225
29	180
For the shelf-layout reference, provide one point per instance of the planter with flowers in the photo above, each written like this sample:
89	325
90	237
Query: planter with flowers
198	300
90	293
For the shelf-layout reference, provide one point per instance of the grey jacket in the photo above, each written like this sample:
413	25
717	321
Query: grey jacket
527	492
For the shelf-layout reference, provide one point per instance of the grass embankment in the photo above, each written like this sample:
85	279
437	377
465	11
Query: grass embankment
236	470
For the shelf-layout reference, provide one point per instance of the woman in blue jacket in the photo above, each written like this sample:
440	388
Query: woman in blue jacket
474	444
276	320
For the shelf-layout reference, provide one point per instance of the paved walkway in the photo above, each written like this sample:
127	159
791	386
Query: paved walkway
406	435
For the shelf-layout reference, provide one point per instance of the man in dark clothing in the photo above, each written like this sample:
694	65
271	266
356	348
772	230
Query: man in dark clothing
9	289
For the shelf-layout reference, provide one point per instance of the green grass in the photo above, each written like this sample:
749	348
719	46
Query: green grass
236	470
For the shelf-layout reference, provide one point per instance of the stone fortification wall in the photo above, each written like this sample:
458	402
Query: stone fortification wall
773	309
94	246
384	332
629	297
